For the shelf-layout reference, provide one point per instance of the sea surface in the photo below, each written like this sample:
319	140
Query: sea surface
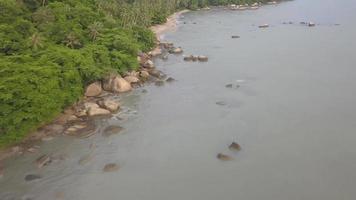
292	108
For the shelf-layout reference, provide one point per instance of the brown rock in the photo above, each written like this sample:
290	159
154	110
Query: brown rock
121	85
144	74
111	105
132	79
223	157
203	58
93	90
170	79
111	167
149	64
235	146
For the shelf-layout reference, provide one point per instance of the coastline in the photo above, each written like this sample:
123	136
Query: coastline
38	136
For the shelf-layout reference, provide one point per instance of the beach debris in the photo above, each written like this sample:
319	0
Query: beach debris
32	177
111	167
235	146
223	157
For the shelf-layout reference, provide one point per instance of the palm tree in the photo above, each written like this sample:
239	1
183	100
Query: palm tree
94	30
72	41
36	41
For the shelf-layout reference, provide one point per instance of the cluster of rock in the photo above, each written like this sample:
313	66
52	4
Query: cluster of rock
233	147
195	58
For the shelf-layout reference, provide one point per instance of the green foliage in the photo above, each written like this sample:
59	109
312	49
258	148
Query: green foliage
51	49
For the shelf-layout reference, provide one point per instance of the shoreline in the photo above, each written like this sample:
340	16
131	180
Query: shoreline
63	119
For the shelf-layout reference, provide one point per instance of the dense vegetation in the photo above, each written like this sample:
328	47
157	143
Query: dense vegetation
50	49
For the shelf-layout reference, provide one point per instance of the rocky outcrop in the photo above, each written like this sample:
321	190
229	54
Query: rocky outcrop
93	90
116	84
93	109
132	79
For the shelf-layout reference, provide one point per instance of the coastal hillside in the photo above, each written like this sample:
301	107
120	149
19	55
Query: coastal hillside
51	49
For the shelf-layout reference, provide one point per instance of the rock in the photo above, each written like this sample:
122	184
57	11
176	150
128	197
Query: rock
194	58
235	36
156	52
121	85
310	24
228	86
235	146
164	57
177	50
47	138
98	111
167	45
112	167
43	161
111	130
32	177
81	113
111	105
159	83
170	79
93	90
86	159
203	58
223	157
144	74
132	73
149	64
263	26
155	73
132	79
16	149
32	150
188	58
115	83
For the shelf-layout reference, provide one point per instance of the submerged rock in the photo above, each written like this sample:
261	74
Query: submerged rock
111	167
170	79
223	157
221	103
311	24
93	90
43	161
203	58
111	130
235	36
177	50
159	83
32	177
86	159
235	146
228	86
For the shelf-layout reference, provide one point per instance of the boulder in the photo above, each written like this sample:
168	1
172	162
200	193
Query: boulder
149	64
234	146
93	90
310	24
155	73
203	58
188	58
144	74
111	105
93	109
132	79
115	83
